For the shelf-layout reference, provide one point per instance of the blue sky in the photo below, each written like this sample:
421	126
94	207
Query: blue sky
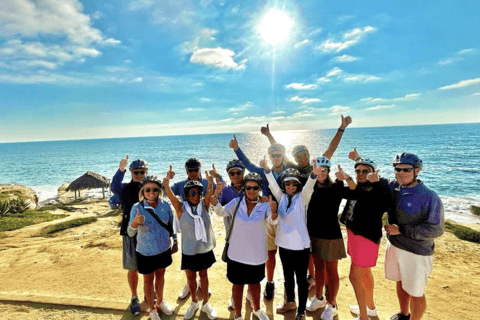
76	69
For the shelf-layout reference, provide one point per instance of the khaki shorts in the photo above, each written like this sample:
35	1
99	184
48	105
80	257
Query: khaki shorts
328	250
410	268
271	236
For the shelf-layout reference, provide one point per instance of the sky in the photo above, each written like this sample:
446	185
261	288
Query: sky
82	69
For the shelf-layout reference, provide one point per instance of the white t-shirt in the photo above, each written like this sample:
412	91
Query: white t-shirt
248	242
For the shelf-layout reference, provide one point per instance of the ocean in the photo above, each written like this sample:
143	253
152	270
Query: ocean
450	154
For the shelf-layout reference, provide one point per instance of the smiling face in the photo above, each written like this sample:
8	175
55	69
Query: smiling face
236	176
194	195
362	171
291	187
252	189
151	191
277	159
193	174
138	174
302	158
323	175
407	177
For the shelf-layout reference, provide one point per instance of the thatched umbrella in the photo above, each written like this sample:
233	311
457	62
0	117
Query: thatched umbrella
89	180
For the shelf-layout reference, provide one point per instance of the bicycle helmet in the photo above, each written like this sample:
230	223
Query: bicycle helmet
193	163
276	147
235	164
152	179
366	162
290	174
138	164
192	184
407	158
298	149
323	162
253	176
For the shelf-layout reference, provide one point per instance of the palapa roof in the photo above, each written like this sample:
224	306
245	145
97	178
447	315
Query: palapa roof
90	180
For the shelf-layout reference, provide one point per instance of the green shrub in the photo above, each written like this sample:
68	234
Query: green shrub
463	233
67	225
18	205
57	206
27	218
4	208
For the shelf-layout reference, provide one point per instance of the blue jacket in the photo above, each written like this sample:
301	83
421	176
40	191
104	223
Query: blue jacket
418	211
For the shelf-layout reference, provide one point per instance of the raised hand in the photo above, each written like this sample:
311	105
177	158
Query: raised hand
166	181
316	169
265	130
171	173
218	189
139	219
264	199
273	207
209	178
233	143
345	122
213	172
373	176
340	174
123	164
264	164
353	155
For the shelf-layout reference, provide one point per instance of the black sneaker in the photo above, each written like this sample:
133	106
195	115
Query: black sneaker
135	306
269	290
400	316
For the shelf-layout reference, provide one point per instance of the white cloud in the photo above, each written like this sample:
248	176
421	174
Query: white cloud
448	61
408	96
301	43
371	100
334	72
194	109
302	114
380	107
301	86
361	78
476	94
217	57
344	58
279	112
323	79
466	51
140	5
242	107
111	42
350	38
227	120
339	109
87	52
461	84
205	99
304	100
97	15
137	80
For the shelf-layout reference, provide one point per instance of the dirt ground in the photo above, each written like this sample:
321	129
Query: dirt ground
78	275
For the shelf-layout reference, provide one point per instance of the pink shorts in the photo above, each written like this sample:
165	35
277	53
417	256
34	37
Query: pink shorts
363	252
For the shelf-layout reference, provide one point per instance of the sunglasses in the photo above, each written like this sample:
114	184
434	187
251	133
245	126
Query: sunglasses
250	188
323	169
233	173
276	155
362	171
301	154
404	169
138	172
290	183
194	193
147	190
192	170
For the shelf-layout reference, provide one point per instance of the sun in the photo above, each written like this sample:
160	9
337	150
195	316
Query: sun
275	26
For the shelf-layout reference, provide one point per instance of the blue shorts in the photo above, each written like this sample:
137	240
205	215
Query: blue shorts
129	256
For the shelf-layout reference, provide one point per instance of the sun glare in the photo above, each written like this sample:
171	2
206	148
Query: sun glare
275	27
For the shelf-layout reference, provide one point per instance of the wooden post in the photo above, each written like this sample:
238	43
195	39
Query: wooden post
103	192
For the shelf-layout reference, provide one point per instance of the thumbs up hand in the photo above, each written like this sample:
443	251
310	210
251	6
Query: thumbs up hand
138	220
123	164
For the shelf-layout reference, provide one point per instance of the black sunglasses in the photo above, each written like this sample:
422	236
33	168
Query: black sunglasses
138	172
250	188
192	170
404	169
232	173
275	155
194	193
291	183
147	190
362	171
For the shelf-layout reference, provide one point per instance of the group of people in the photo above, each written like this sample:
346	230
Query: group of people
285	206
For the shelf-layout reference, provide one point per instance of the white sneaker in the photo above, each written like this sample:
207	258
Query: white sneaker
239	318
260	314
207	308
231	307
185	292
371	313
191	310
154	315
315	304
329	313
165	308
250	299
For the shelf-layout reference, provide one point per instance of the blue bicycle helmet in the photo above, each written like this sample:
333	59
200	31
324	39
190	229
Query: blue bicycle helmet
407	158
235	164
324	162
298	149
276	147
138	164
366	162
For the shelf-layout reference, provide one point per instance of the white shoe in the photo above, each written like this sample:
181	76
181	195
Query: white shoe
165	308
154	315
260	314
329	313
315	304
185	292
207	308
371	313
239	318
231	307
190	313
250	299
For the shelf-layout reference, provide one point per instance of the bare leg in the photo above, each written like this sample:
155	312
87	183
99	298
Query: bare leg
204	285
271	262
368	285
357	275
133	281
417	306
237	293
192	284
148	287
159	284
403	299
255	291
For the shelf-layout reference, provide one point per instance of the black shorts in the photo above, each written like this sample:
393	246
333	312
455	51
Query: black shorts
148	264
198	262
240	273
